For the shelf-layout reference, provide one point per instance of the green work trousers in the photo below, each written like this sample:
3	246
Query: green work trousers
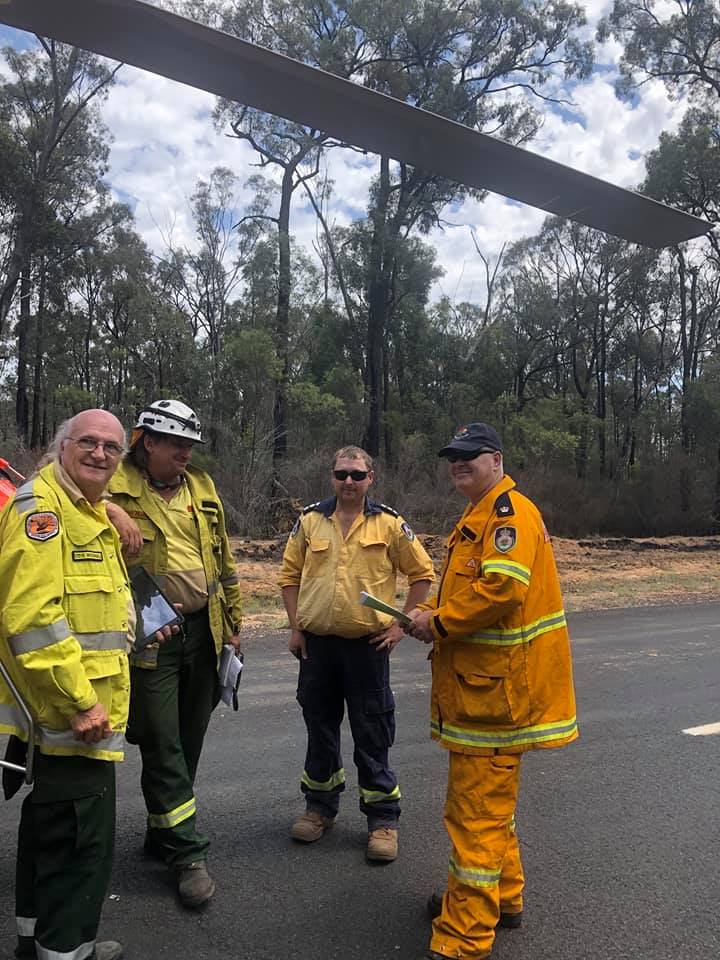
170	708
65	849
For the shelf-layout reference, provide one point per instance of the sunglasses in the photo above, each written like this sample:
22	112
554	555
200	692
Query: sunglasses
357	475
456	455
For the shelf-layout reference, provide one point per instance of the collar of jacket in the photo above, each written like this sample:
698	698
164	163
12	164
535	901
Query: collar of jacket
80	520
327	507
471	524
130	481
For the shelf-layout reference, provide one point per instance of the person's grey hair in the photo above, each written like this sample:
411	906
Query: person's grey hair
53	451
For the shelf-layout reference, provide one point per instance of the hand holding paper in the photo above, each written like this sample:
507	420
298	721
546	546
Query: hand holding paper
367	600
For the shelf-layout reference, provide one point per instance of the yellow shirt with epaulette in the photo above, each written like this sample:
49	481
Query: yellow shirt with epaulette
332	571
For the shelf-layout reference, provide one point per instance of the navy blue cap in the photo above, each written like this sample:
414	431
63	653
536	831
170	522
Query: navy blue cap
473	437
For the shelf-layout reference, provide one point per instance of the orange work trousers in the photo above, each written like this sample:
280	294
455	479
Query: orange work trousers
485	873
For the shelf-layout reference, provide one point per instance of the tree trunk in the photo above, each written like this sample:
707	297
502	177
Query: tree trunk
282	318
23	335
377	312
35	435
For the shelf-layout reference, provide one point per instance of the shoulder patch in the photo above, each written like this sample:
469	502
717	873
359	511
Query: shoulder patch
407	531
503	506
42	526
505	539
386	509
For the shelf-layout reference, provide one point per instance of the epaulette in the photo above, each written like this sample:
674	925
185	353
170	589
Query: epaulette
326	507
384	507
25	499
503	506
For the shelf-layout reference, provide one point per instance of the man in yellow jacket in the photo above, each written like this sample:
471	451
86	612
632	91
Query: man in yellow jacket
178	523
502	684
64	624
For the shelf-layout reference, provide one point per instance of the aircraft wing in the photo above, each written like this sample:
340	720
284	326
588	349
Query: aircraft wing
180	49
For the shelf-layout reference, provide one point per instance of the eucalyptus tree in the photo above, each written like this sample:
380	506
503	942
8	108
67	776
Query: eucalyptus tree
47	109
482	63
676	41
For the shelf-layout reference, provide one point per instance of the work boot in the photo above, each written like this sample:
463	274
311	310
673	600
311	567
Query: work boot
434	908
310	826
195	885
108	950
382	844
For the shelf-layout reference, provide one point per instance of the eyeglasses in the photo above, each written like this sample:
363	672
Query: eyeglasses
357	475
89	444
456	455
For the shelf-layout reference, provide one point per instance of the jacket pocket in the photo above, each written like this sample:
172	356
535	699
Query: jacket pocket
483	688
87	602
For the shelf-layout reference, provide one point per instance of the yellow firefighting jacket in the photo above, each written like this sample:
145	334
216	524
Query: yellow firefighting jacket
130	491
501	664
64	598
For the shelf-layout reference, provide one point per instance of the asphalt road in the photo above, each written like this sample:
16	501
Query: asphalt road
619	831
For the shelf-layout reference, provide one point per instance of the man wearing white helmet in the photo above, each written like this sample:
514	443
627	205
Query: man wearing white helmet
179	537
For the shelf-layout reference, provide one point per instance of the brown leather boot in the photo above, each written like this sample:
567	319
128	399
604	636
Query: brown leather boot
310	826
382	844
510	921
194	883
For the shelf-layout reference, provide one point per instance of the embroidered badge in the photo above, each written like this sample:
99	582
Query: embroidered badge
505	538
42	526
87	555
460	433
136	514
471	563
407	530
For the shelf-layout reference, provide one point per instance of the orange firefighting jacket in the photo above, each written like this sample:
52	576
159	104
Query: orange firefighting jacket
501	664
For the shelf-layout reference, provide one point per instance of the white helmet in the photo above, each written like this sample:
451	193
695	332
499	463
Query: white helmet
170	417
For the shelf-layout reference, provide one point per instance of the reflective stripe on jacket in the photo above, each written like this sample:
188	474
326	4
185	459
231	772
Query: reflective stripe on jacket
130	491
63	617
502	671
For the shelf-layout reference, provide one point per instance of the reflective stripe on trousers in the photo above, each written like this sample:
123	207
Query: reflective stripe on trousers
173	817
79	953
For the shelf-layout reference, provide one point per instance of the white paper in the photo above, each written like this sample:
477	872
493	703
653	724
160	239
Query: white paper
228	673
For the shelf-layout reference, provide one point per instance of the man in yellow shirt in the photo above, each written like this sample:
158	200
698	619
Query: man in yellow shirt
339	548
501	684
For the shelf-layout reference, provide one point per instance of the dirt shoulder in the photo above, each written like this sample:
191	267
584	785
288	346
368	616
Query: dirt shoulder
596	574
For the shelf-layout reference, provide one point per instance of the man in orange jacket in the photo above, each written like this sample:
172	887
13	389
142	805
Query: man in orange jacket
501	685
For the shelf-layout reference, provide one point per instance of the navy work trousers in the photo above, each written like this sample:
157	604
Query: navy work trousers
338	671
